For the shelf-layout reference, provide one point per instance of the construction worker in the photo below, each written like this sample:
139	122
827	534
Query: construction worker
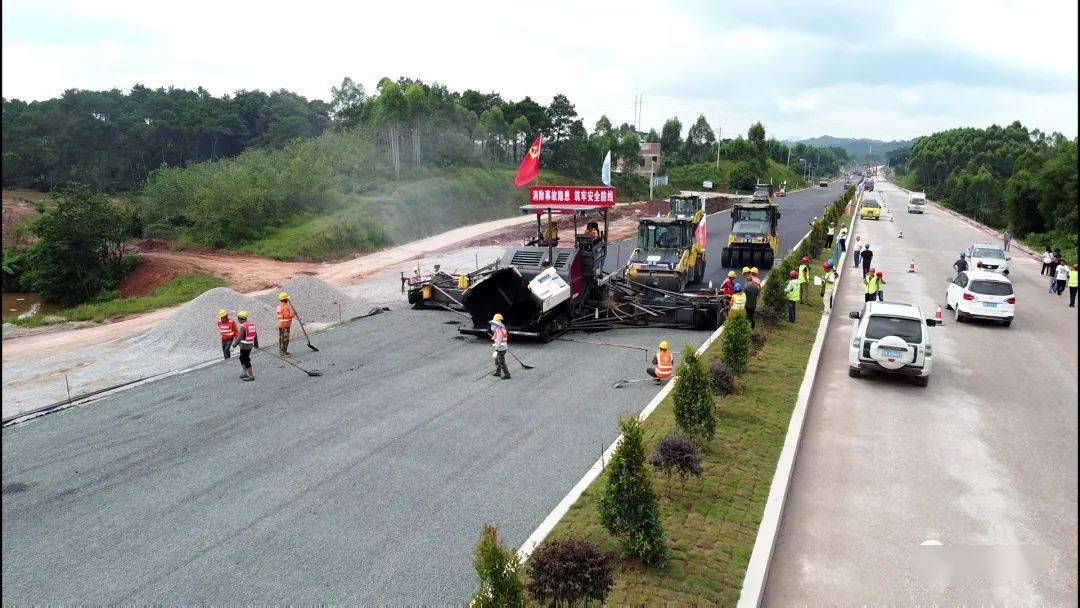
747	278
880	286
728	286
792	293
754	272
228	330
830	233
499	339
1074	285
867	257
871	284
830	279
247	337
663	364
738	299
841	240
463	282
804	281
752	289
961	265
284	323
592	229
551	234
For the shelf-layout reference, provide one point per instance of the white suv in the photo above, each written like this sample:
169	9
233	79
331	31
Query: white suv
988	257
982	294
891	337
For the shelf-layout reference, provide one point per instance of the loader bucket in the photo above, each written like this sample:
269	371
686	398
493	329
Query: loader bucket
506	292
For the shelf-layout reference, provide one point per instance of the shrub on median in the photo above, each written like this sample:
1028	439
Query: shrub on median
758	336
723	379
674	454
570	571
628	509
735	342
499	570
694	399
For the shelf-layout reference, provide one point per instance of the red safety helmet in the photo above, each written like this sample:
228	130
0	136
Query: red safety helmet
879	274
794	274
805	260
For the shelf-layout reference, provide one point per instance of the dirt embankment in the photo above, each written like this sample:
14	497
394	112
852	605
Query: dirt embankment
622	222
16	210
243	272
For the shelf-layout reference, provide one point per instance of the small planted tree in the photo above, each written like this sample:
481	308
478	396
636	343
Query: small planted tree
772	293
500	573
570	571
628	508
735	342
674	454
694	398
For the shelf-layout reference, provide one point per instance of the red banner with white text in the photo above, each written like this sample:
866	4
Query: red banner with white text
586	196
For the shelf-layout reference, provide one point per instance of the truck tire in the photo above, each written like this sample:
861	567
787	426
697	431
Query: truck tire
767	261
725	257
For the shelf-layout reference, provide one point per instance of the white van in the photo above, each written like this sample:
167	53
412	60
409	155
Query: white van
916	201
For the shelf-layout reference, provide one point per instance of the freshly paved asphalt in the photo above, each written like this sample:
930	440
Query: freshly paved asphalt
368	485
981	465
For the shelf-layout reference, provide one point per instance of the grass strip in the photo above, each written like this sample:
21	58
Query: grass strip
711	522
176	291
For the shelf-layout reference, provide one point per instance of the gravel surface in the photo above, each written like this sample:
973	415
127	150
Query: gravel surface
317	301
191	328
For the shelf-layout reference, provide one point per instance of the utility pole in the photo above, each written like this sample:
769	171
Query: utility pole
651	168
718	148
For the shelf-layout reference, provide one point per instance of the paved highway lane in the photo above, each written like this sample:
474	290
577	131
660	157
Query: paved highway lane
366	486
981	465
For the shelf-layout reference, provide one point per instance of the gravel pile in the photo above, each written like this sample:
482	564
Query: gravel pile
317	301
192	327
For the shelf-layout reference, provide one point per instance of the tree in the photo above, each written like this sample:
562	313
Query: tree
566	571
735	342
1022	196
628	508
742	176
693	397
347	103
603	126
671	139
653	137
756	136
500	573
80	248
700	141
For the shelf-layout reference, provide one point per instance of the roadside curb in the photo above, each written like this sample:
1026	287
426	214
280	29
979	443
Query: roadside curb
548	524
757	571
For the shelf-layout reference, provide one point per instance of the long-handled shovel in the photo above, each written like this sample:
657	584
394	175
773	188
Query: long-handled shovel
308	372
309	344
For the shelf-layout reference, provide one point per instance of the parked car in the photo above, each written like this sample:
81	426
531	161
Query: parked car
989	257
870	209
916	202
983	295
823	183
869	185
893	338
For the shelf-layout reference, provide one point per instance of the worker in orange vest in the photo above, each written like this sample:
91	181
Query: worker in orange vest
284	323
228	330
247	338
663	364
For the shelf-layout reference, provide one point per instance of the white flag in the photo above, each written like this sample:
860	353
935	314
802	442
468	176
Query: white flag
605	171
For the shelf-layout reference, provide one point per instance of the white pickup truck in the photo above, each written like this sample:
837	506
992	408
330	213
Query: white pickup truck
916	201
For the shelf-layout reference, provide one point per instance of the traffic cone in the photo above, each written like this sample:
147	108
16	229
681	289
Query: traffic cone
911	265
937	313
900	234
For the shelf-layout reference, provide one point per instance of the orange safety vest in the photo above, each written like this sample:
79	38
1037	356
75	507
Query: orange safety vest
665	365
250	332
228	329
284	315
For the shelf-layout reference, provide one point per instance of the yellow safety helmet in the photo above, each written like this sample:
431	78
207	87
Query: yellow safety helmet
222	313
242	314
664	345
731	274
497	318
754	270
746	270
282	296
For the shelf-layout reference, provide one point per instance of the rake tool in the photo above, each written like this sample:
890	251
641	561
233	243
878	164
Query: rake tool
284	360
302	328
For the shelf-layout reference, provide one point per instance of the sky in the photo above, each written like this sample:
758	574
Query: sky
892	70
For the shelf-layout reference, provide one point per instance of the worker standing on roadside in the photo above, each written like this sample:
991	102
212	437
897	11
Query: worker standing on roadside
728	286
1048	257
880	286
1061	273
499	339
830	233
867	258
754	276
738	299
247	337
870	282
856	252
792	293
961	265
752	289
1006	239
663	364
804	281
841	240
1074	284
830	279
228	330
284	323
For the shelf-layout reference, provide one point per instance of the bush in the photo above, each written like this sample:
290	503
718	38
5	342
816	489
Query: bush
694	399
674	454
735	342
772	293
723	379
767	317
628	508
499	571
758	337
571	571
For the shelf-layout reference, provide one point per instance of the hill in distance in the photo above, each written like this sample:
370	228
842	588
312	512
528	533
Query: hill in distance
860	148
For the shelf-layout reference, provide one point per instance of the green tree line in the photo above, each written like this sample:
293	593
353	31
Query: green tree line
1006	177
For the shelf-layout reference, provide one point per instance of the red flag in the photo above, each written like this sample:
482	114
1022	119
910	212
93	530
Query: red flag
701	231
530	165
